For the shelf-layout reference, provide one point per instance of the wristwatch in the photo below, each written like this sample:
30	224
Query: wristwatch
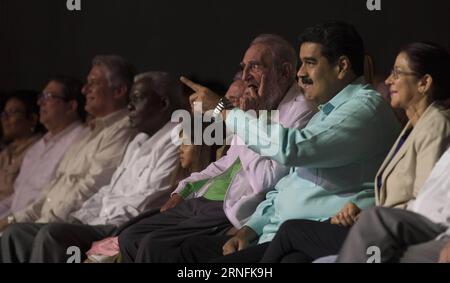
223	103
11	219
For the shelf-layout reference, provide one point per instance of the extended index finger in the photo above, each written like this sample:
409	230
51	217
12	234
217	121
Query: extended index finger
195	87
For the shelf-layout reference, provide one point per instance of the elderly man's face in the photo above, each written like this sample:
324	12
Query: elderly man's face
144	104
256	63
97	91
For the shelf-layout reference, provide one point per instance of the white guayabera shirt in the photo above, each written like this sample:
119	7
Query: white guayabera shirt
434	198
141	182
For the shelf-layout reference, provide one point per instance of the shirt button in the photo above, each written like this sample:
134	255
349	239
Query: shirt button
49	199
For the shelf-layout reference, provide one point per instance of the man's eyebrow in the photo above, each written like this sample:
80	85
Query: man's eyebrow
242	64
310	59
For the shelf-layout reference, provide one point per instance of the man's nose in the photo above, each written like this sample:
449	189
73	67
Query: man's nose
84	90
246	74
301	72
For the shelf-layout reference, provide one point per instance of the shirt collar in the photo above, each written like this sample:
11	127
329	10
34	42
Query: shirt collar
292	93
101	123
166	130
48	137
343	96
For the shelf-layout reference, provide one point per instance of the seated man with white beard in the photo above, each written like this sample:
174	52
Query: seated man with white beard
223	196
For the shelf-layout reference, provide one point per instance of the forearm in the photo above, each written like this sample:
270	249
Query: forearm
261	172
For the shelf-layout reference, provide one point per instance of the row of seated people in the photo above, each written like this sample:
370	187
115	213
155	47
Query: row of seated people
118	192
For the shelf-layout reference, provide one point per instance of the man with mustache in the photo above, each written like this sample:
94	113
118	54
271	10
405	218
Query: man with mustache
335	156
220	199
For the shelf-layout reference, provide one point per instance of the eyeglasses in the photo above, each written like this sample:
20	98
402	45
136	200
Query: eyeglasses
9	114
395	73
45	96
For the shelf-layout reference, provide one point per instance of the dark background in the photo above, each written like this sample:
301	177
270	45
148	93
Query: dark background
204	39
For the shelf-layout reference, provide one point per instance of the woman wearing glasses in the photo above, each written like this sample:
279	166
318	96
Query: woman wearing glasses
19	125
420	85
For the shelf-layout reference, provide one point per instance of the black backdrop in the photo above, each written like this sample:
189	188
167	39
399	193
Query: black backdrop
201	38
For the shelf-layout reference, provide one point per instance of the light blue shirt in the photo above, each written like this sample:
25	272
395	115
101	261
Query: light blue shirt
334	158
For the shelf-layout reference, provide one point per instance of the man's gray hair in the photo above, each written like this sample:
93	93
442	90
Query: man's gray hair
165	86
118	71
282	50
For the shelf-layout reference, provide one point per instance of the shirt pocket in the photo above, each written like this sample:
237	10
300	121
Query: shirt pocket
341	179
311	175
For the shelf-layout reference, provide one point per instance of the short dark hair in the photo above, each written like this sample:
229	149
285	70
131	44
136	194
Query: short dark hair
72	91
28	98
337	39
434	60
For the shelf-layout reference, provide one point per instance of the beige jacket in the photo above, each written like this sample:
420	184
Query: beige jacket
403	175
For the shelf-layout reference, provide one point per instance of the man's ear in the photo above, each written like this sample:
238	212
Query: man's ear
73	105
165	103
343	66
287	71
121	92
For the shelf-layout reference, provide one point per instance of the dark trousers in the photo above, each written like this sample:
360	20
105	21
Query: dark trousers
398	234
209	249
304	241
158	238
39	242
295	241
